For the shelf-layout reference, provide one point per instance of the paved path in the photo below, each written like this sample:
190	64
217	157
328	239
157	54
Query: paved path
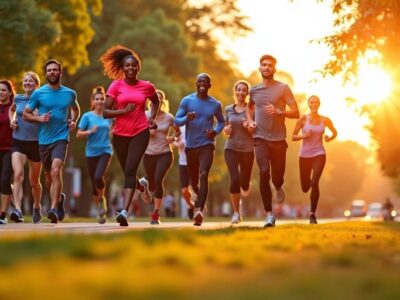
112	227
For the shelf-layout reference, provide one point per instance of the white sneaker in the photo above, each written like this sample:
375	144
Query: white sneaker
198	218
279	194
146	196
269	221
236	218
3	221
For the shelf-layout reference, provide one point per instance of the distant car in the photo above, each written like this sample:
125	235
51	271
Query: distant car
375	210
358	209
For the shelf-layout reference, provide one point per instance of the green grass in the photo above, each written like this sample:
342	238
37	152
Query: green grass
353	260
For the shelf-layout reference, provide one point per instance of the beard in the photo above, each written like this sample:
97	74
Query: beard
269	76
55	80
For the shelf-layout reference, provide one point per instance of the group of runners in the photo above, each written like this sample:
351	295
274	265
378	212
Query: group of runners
35	128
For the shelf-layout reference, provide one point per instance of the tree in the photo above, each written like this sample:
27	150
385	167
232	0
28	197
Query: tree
369	29
33	31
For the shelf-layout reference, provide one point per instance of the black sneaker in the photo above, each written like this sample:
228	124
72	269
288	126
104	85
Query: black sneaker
52	216
16	216
61	207
36	215
313	219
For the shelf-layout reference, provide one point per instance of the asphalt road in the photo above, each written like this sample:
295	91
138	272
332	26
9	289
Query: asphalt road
113	227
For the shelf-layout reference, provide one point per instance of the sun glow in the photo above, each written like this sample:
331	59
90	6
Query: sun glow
373	86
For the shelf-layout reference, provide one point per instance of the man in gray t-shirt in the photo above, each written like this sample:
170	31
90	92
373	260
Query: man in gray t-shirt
266	113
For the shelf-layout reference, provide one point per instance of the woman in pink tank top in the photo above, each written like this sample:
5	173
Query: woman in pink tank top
312	151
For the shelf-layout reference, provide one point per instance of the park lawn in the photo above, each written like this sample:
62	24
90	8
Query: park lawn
348	260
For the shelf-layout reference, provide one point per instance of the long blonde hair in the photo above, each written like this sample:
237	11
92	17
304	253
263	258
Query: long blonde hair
164	103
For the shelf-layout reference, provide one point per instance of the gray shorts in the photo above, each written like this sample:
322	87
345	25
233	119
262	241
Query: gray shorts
51	151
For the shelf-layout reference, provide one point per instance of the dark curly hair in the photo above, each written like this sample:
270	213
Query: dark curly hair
113	61
10	87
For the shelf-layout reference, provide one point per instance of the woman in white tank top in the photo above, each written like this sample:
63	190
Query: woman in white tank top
312	151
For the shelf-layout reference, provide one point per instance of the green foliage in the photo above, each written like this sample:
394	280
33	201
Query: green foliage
34	31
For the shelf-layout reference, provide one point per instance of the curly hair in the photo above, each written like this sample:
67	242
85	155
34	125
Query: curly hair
113	61
10	87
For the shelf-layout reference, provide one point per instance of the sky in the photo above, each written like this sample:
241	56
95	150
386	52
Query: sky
285	29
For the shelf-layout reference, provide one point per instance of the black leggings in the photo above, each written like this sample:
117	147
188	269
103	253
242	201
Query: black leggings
316	166
199	161
239	165
98	166
130	151
271	160
156	167
6	172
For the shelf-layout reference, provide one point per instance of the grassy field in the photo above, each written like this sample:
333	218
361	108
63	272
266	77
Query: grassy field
353	260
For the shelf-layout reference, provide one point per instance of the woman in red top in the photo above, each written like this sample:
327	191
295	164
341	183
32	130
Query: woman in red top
7	94
126	101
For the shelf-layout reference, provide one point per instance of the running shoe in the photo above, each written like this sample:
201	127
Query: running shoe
52	216
198	218
3	221
61	207
236	218
279	194
36	215
122	218
146	196
269	221
155	218
102	210
313	219
16	216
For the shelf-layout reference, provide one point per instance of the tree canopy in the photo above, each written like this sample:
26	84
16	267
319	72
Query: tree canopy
33	30
369	29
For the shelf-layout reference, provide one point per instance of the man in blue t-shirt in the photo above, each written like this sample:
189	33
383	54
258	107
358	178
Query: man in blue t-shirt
53	102
198	111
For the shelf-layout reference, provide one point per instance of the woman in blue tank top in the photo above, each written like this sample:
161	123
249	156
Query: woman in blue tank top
25	148
312	152
98	148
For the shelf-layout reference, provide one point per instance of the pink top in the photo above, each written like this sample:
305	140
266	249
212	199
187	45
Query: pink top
134	122
313	145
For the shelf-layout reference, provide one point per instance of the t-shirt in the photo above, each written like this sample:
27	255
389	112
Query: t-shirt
98	143
57	102
26	131
158	143
206	111
271	127
134	122
240	139
5	130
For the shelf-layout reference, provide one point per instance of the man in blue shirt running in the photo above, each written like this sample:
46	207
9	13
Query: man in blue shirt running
197	111
53	102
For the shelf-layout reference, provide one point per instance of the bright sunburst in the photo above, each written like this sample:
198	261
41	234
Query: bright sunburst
373	87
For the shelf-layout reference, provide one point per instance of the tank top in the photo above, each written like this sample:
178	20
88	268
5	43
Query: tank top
313	145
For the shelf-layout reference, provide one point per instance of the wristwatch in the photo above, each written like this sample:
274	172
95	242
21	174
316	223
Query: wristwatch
279	111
